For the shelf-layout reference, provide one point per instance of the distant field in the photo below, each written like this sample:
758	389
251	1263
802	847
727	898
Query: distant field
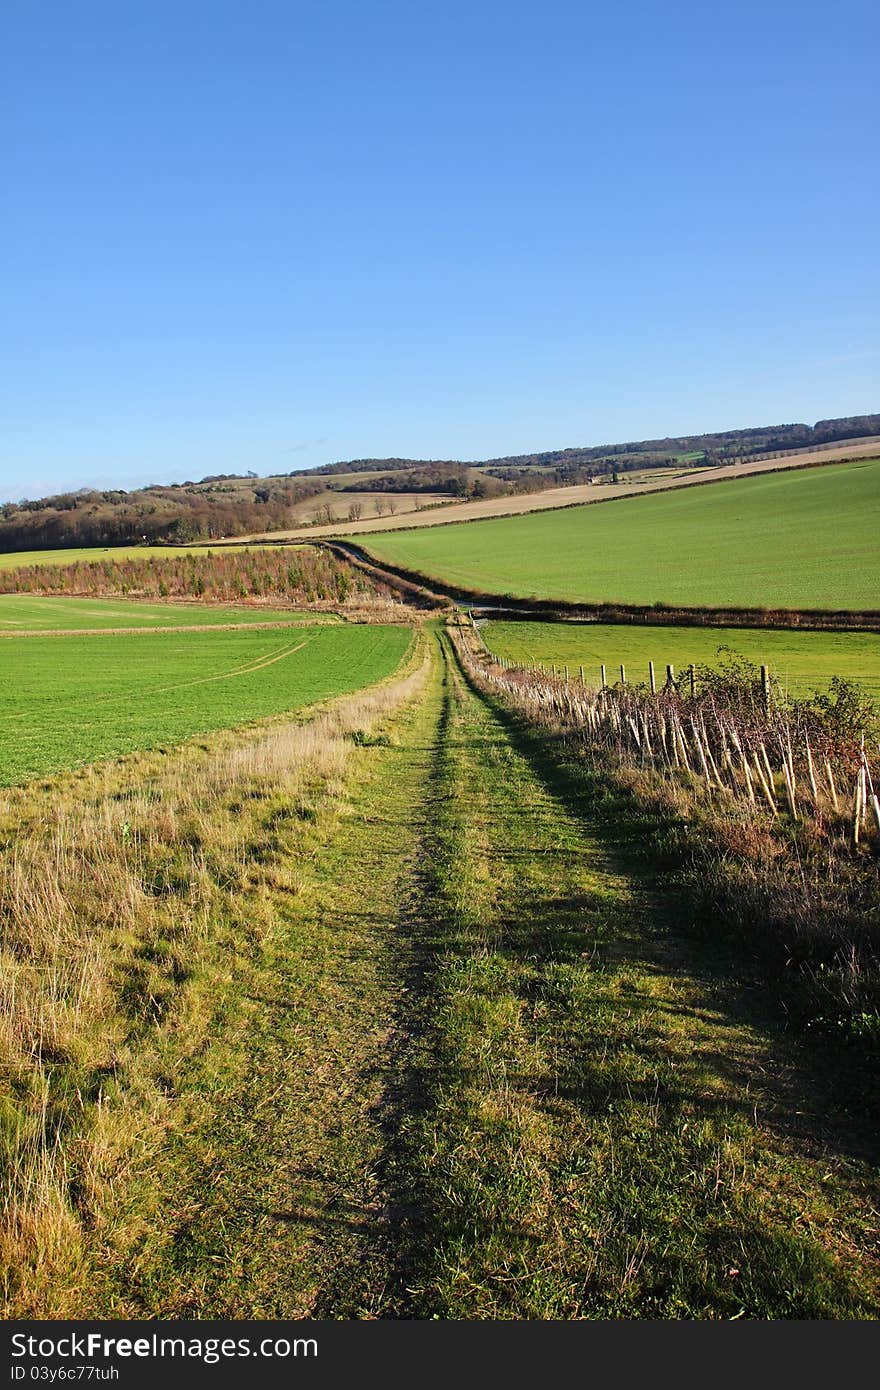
517	504
792	540
339	503
16	559
802	661
66	702
32	612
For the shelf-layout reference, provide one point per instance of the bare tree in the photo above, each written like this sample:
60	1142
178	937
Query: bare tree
355	511
380	506
392	505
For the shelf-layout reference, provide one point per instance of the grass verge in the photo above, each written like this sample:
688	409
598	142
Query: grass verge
130	895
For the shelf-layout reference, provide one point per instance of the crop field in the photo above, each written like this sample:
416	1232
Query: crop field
69	701
15	559
33	612
801	661
805	540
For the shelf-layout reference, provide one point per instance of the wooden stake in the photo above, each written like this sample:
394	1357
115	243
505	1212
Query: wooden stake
699	742
812	775
764	784
749	787
653	678
830	775
763	752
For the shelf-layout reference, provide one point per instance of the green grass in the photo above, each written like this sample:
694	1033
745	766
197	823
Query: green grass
802	661
31	612
416	1036
69	701
16	559
592	1140
805	539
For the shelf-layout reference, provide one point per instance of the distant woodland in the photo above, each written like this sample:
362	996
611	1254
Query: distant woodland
240	504
702	449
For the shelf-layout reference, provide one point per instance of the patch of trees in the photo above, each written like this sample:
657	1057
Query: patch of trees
301	575
453	479
177	513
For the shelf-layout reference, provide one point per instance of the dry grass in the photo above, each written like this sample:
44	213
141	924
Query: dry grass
126	891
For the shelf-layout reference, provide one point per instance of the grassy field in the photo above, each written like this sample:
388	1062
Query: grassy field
69	701
793	540
801	661
32	612
17	558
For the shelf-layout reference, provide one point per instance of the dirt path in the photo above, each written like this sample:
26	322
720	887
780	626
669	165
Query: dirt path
476	1074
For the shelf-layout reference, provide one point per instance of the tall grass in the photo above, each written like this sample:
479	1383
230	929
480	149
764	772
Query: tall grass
127	891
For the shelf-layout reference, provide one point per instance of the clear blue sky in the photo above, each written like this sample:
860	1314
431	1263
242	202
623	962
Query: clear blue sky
255	234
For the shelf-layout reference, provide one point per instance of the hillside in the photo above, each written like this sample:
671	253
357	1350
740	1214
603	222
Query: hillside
797	539
727	446
230	505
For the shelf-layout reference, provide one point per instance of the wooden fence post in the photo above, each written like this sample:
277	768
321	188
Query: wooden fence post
653	678
765	689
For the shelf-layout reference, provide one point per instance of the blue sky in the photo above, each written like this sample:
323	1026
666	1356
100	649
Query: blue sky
260	235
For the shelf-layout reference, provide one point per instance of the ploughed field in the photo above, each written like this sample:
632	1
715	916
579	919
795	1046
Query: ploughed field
67	701
35	612
802	662
794	540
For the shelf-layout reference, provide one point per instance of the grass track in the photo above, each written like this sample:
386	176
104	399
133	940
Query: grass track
474	1073
804	540
69	701
801	661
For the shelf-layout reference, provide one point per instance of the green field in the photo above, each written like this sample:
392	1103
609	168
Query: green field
805	539
69	701
16	559
32	612
801	661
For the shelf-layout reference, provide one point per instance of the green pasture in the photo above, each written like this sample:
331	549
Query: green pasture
67	701
802	661
806	539
32	612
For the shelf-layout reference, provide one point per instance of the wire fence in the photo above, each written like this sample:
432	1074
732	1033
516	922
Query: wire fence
728	735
